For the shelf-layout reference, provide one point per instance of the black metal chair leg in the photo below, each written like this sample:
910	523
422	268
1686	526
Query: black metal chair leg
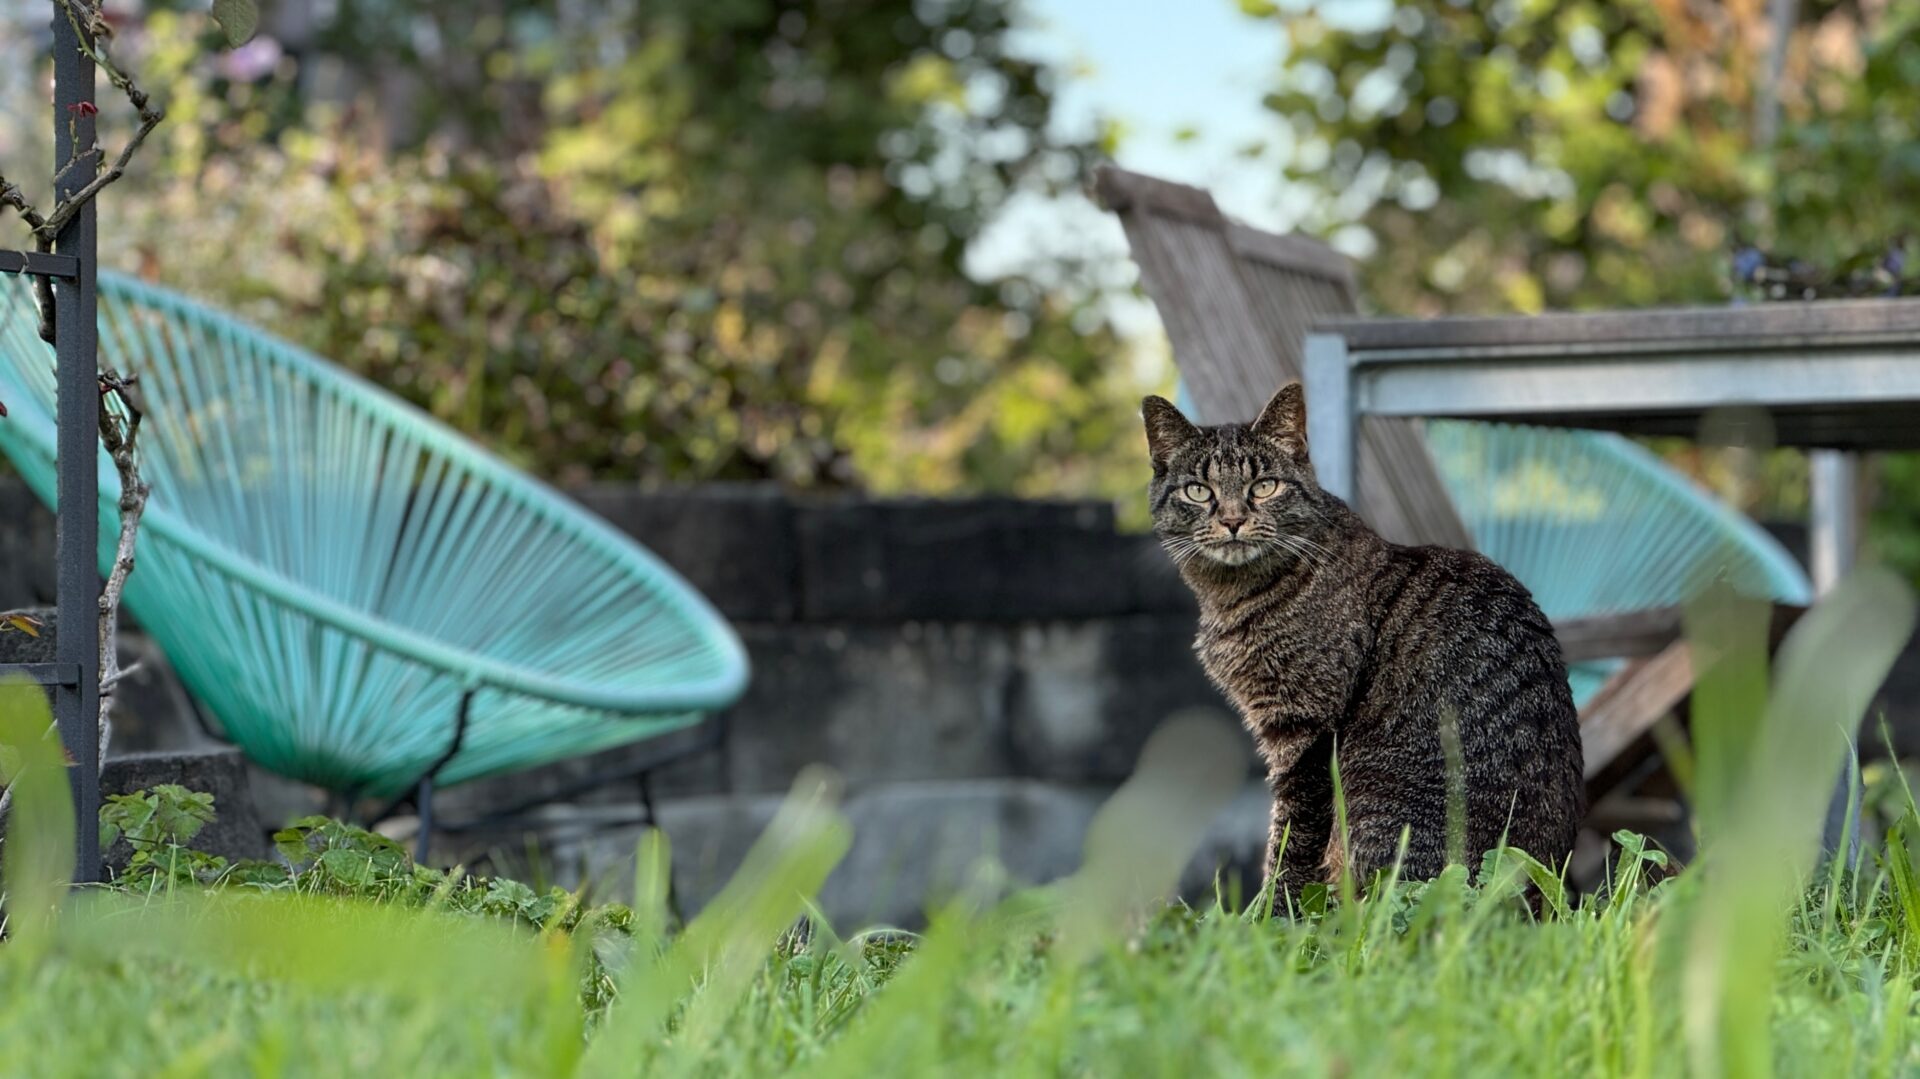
651	818
423	791
205	724
647	815
423	799
723	744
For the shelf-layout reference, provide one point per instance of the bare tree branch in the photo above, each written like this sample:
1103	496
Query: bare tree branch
90	26
11	195
117	434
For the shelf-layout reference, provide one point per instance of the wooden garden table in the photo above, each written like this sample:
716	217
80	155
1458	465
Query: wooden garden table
1830	376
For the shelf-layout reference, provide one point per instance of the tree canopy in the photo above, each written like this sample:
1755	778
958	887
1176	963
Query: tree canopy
1513	155
670	240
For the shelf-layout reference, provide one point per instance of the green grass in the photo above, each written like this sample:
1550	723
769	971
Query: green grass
1437	982
1756	960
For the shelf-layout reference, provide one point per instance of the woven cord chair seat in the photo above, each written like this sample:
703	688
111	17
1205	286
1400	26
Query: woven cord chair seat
330	571
1595	524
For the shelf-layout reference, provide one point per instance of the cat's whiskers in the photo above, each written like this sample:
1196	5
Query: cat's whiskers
1182	549
1304	554
1305	549
1320	550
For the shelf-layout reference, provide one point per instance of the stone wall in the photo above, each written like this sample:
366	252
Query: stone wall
980	674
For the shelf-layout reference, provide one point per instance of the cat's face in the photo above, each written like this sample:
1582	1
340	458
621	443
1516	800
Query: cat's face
1235	494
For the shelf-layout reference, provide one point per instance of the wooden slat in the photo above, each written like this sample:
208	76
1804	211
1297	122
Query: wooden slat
1639	814
1645	632
1631	702
1124	192
1299	254
1647	688
1627	634
1782	324
1229	366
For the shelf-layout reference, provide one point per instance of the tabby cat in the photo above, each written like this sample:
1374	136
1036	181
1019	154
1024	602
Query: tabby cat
1402	659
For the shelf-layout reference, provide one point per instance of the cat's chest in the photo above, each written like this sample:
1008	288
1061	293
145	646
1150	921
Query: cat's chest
1243	654
1281	654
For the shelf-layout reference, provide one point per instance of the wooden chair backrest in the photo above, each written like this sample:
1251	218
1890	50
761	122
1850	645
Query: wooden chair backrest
1237	303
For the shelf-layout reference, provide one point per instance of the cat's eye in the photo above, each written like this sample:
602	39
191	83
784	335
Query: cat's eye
1265	488
1199	492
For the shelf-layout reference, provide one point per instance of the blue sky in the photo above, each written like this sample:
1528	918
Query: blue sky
1163	65
1159	67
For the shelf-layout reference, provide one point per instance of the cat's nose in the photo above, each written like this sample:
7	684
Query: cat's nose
1233	524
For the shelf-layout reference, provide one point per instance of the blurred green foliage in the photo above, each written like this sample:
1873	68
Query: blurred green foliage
669	241
1575	154
1521	156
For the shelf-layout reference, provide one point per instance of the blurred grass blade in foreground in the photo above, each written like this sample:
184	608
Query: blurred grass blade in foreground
1767	763
1148	830
1136	847
726	945
36	846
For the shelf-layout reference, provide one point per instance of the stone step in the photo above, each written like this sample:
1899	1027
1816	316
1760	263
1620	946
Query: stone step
913	843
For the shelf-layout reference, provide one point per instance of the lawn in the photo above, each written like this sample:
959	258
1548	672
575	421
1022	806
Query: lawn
345	959
1438	980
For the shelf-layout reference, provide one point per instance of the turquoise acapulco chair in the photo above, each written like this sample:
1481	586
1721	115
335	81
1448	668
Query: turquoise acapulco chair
361	598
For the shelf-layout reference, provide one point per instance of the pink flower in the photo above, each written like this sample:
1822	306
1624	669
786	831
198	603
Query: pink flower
254	60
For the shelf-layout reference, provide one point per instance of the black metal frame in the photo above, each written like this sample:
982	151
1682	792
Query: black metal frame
641	774
714	739
74	676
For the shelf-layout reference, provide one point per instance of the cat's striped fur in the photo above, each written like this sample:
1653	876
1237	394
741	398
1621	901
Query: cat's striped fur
1321	634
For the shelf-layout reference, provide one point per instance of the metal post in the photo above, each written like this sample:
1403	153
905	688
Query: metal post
1833	542
1332	426
77	707
1833	538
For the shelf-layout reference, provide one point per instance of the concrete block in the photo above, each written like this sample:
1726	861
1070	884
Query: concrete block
1068	701
913	844
733	542
19	646
876	703
236	831
26	547
980	559
1085	697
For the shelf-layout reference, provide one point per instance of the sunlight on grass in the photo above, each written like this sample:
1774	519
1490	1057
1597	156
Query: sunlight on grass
1758	959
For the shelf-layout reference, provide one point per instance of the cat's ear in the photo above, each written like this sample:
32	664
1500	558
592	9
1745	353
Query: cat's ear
1167	429
1284	420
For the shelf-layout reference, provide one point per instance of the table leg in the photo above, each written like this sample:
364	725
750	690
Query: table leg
1833	542
1833	537
1332	425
